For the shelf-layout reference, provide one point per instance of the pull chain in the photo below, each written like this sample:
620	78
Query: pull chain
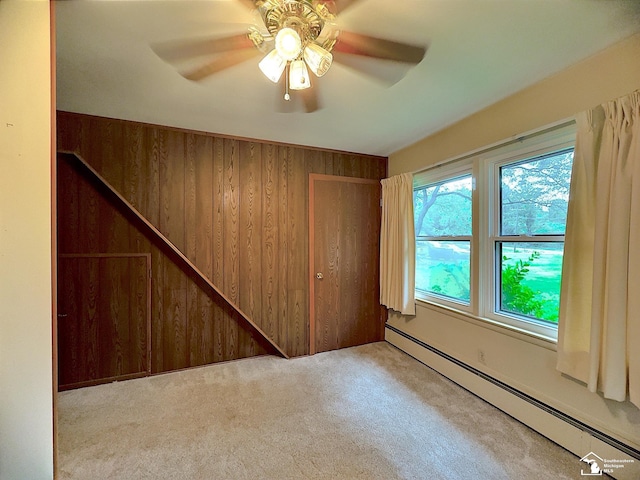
287	97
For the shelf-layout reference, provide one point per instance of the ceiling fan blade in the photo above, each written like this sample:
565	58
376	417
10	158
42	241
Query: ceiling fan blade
358	44
342	5
386	72
221	62
175	50
337	6
250	4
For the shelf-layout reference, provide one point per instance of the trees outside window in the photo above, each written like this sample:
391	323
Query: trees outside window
443	238
533	200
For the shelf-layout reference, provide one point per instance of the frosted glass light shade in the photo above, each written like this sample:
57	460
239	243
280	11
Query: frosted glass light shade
318	59
299	75
288	43
273	65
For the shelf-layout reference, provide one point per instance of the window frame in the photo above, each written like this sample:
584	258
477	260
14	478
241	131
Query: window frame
462	169
485	278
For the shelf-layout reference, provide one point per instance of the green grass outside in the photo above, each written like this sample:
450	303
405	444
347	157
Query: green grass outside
544	276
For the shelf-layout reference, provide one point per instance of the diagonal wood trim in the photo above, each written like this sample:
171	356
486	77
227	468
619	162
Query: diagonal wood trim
74	157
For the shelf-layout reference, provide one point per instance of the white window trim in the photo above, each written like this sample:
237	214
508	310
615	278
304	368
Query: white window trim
460	169
490	163
483	167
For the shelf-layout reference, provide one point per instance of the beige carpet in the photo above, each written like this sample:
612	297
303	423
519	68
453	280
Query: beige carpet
368	412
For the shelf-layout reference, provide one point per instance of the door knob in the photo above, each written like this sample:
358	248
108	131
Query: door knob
319	276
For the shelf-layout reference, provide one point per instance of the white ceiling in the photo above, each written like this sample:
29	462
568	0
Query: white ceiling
479	51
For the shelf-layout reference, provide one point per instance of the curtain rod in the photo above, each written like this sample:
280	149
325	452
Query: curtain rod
503	143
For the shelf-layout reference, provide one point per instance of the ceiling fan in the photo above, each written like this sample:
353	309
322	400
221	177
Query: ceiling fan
295	36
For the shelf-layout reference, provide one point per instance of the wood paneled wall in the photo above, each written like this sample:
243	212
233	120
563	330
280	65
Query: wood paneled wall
237	209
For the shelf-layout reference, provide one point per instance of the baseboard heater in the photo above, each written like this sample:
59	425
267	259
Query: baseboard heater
632	452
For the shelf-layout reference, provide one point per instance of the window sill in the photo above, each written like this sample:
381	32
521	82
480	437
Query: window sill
502	328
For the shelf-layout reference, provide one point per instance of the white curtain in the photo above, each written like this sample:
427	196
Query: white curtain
599	325
398	245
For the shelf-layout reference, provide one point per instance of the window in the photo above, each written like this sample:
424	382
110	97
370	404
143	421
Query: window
443	239
495	251
528	242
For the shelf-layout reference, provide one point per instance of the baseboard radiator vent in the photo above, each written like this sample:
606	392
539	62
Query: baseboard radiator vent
632	452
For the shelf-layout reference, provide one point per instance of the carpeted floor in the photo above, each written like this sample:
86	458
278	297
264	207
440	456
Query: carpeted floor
369	412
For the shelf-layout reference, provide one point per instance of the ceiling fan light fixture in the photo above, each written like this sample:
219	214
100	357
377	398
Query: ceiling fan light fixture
318	59
288	43
326	10
272	65
328	35
299	75
256	36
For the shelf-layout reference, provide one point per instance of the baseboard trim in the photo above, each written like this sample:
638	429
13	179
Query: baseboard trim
601	436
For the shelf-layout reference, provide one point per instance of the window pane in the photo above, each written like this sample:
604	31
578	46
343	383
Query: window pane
534	195
443	268
530	279
443	209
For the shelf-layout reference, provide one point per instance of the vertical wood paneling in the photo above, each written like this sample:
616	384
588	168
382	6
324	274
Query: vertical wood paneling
217	247
84	133
132	160
366	169
370	243
68	322
338	164
193	326
172	188
68	207
93	144
138	311
154	147
250	235
231	241
237	208
104	308
315	161
351	165
113	228
89	344
201	322
328	163
111	148
135	190
88	212
189	207
150	175
297	224
172	198
282	252
267	254
111	336
66	133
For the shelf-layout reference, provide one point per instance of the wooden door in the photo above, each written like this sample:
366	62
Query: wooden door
104	318
344	258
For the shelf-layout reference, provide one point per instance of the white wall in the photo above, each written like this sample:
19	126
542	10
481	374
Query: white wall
26	415
610	74
528	366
